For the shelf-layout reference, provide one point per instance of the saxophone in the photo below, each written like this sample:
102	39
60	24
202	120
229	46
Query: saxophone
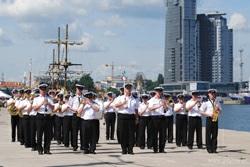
215	114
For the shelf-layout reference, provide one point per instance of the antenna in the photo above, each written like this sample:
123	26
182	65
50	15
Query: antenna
241	64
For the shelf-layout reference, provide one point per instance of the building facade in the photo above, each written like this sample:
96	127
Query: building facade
215	48
180	62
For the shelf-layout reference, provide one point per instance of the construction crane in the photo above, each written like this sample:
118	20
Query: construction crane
112	66
64	63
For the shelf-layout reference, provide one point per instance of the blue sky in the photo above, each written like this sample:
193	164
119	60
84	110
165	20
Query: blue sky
127	32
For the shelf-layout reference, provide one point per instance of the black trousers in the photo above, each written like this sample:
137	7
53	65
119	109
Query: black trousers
14	127
20	131
127	132
43	124
97	124
211	134
88	129
181	129
169	128
110	118
76	125
194	125
143	125
26	130
67	130
59	128
117	128
33	131
53	127
159	128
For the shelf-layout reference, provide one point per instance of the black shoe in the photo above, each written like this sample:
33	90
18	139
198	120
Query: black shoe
59	142
190	147
13	140
209	151
142	147
21	143
214	151
86	152
40	152
131	152
170	141
200	147
75	149
112	139
47	152
33	149
65	145
155	150
162	151
124	152
92	152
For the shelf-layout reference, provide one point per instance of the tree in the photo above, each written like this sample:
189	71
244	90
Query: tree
88	82
150	85
115	91
160	79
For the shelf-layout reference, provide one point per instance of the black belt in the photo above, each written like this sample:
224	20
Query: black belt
45	115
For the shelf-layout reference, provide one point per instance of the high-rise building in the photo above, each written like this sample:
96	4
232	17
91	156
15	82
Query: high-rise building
180	62
214	48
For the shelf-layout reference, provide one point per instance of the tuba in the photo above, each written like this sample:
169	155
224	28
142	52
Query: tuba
12	109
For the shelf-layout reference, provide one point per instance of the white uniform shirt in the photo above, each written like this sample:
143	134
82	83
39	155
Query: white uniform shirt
182	111
99	114
59	114
75	102
141	108
88	112
11	100
207	107
18	102
43	109
195	111
110	109
169	112
26	104
67	111
155	102
128	108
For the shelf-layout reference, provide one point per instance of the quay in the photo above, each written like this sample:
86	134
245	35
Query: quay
233	150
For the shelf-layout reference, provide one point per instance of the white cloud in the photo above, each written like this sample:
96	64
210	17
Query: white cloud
109	33
89	44
238	21
142	2
4	39
113	21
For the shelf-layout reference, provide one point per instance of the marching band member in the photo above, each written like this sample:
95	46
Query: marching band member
14	116
25	107
110	116
43	105
181	121
59	119
144	116
169	117
87	110
156	108
211	110
195	122
67	122
127	110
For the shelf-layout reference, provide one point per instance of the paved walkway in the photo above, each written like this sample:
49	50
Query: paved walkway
234	150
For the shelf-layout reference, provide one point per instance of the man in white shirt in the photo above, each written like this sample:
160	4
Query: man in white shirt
14	116
156	108
18	103
144	120
195	122
110	116
25	107
127	109
76	120
169	117
87	110
181	121
43	105
59	118
211	110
